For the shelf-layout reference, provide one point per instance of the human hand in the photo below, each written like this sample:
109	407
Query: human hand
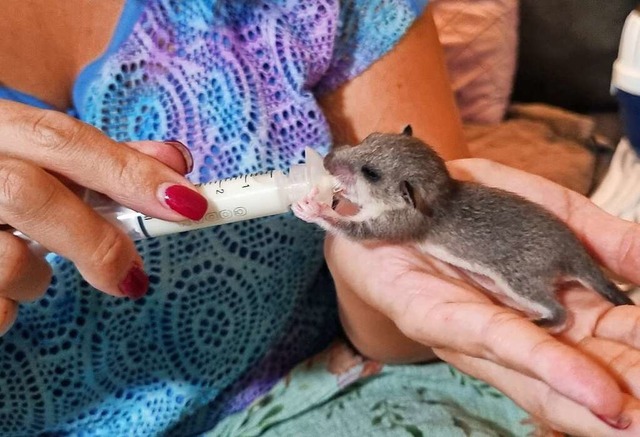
39	150
574	382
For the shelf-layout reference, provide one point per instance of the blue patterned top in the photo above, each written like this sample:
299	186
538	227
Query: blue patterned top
231	308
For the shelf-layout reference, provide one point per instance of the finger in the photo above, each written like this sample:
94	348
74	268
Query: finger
623	361
39	205
82	153
173	154
23	275
544	403
8	314
618	248
496	334
621	324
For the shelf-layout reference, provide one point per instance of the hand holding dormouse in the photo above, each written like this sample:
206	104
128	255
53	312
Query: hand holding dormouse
580	382
512	247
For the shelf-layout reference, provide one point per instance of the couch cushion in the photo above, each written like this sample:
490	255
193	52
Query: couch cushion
479	40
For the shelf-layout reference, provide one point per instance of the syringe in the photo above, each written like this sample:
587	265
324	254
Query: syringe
232	199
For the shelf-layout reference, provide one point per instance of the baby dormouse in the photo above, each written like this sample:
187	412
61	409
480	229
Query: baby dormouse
405	195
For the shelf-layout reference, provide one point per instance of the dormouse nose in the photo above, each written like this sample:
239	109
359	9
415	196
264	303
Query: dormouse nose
337	162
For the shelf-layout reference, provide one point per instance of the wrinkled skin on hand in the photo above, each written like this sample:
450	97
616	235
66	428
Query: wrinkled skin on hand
583	381
46	159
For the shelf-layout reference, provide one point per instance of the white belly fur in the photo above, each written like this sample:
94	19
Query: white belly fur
500	289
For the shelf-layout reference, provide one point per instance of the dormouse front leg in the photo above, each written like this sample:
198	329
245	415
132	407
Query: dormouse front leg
311	210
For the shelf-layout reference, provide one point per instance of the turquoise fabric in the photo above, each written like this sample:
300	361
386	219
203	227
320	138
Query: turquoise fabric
338	393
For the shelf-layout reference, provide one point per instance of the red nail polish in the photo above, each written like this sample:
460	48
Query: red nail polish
184	150
135	284
186	201
621	422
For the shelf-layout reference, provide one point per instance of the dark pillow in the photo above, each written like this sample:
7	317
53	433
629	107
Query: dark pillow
566	52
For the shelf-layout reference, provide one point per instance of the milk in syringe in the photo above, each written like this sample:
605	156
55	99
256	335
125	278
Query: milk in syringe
234	199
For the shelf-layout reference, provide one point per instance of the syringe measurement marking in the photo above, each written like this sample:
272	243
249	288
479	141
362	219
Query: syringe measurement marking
233	178
220	190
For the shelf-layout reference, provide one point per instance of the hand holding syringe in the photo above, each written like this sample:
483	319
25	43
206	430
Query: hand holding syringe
232	199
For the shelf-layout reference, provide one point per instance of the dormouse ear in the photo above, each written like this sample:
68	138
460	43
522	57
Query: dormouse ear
415	200
407	131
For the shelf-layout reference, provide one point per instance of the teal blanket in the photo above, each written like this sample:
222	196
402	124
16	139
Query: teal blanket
339	393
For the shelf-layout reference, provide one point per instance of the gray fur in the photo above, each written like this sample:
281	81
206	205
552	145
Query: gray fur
518	241
397	158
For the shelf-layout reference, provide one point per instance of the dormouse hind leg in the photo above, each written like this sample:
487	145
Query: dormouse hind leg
538	301
549	313
556	322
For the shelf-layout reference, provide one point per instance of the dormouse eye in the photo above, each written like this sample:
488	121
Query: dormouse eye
370	174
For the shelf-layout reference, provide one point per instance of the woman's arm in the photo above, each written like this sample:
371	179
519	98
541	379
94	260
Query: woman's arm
409	85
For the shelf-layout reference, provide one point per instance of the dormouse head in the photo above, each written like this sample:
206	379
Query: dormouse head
390	171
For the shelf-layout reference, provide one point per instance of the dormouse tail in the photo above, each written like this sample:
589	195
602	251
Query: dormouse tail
597	281
613	294
590	275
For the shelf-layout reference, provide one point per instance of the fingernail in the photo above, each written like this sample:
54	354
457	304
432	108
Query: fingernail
135	284
621	422
184	150
185	201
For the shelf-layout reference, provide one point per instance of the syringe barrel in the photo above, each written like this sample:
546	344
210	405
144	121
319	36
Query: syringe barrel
230	200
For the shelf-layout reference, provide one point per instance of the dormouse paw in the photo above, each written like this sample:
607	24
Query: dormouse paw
310	210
